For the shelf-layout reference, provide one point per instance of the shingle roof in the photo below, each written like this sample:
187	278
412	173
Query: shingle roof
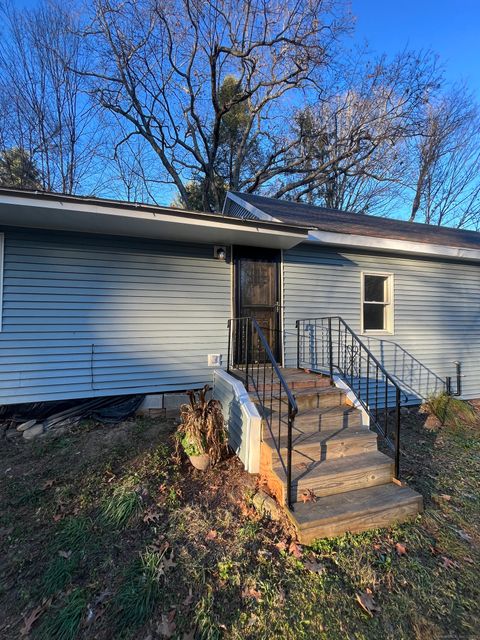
336	221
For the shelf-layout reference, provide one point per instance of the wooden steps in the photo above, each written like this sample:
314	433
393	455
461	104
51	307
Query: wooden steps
335	457
339	475
359	510
331	444
317	398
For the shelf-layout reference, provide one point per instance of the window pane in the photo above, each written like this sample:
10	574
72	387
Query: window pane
375	288
373	317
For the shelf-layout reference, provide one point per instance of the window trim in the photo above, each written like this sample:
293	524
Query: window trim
389	305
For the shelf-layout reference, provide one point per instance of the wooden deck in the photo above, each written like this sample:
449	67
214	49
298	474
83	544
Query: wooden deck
335	457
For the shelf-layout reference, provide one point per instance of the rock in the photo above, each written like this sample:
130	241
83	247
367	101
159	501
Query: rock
11	434
266	505
33	432
26	425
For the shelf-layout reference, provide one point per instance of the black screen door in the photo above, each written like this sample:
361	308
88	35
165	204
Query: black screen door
257	290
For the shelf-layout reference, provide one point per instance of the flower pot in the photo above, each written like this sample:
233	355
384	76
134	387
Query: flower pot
200	462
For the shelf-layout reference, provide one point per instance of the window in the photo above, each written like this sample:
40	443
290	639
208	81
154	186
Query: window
377	303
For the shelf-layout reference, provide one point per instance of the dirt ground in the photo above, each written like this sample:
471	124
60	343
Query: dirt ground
105	535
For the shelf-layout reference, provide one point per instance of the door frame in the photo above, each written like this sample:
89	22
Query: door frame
239	251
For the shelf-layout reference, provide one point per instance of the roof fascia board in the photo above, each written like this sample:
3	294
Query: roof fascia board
390	244
135	213
258	213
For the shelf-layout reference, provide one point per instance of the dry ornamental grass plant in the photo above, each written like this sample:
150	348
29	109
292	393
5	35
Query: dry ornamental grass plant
202	430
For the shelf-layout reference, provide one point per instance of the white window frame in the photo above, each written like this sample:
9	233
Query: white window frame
389	305
2	253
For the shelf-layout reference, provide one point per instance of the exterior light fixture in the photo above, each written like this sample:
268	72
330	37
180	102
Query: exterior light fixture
220	252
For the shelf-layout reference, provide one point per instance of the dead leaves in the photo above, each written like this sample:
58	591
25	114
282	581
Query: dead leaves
189	599
251	592
448	563
314	566
33	616
295	549
166	628
211	535
163	548
464	535
401	549
308	496
366	601
151	516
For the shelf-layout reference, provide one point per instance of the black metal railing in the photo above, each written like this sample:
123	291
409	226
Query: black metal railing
250	359
330	346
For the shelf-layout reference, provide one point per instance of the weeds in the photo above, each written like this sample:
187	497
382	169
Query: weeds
59	573
452	411
122	506
64	624
74	533
140	592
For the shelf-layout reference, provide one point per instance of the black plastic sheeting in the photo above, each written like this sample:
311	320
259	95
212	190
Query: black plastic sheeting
108	410
118	411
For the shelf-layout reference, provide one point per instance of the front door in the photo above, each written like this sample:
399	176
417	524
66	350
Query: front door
258	292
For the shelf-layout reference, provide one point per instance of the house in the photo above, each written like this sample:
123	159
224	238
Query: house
100	297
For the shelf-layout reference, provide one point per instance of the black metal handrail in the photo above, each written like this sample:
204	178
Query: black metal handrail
329	345
250	359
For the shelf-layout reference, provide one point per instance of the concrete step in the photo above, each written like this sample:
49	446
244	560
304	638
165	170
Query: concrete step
328	477
355	511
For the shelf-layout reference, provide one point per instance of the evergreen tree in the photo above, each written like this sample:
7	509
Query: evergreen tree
18	170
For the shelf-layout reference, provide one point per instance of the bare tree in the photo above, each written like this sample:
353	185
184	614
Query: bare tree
48	114
161	66
445	161
352	140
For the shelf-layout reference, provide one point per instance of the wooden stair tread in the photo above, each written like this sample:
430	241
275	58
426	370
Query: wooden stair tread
328	468
321	391
358	502
323	437
335	411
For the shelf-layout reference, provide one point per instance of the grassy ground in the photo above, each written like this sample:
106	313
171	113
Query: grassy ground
103	536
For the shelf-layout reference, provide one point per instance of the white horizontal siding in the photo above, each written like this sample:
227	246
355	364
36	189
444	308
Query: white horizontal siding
88	316
242	419
436	307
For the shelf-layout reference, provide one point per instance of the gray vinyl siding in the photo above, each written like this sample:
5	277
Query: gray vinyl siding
87	315
436	311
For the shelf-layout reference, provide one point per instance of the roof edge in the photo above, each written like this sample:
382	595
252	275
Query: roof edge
52	199
378	243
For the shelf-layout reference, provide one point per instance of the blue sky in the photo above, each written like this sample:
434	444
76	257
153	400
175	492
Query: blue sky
451	28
